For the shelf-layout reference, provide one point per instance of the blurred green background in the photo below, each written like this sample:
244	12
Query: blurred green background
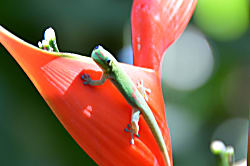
205	78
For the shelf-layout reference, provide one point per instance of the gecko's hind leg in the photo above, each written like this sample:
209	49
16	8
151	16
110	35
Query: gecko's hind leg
129	130
134	127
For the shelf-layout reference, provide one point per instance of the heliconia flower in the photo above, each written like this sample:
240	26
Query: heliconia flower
96	116
156	24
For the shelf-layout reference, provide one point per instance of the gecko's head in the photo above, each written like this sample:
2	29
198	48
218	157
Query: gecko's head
102	57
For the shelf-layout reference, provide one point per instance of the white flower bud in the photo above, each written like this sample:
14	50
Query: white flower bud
40	45
45	43
230	150
217	147
49	34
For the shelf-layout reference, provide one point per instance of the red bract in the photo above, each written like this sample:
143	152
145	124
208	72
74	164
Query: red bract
156	24
94	116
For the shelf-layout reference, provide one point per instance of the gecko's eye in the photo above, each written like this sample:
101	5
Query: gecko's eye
108	61
96	47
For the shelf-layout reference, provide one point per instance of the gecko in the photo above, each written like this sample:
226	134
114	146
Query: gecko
135	96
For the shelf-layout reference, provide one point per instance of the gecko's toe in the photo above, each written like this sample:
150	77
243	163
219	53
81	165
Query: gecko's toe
82	77
127	130
86	79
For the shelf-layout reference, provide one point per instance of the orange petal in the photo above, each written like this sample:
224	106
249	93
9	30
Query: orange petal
94	116
155	26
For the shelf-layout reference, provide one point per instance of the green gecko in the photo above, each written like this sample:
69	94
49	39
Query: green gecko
135	96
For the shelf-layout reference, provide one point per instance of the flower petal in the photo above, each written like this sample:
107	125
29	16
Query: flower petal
156	24
94	116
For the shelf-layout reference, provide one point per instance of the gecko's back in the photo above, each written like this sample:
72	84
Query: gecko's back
130	92
126	86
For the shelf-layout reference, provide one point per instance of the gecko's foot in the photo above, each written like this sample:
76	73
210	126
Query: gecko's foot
129	130
86	79
143	90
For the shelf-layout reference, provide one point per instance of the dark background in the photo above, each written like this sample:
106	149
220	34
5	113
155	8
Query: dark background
207	96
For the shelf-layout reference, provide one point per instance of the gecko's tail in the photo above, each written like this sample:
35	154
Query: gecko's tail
166	157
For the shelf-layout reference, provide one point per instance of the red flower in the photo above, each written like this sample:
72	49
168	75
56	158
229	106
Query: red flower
96	116
156	24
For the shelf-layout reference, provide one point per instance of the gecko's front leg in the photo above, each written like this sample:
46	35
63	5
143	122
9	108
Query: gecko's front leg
134	128
88	81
